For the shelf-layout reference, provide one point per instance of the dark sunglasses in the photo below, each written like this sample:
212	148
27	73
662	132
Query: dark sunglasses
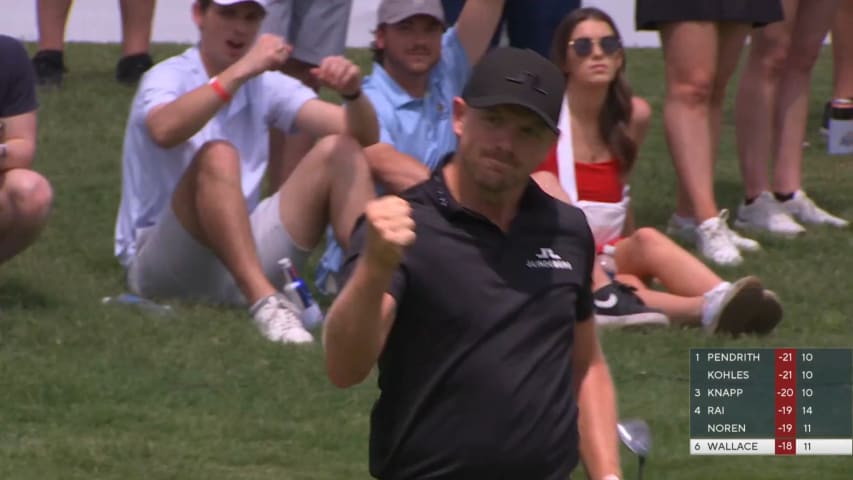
583	45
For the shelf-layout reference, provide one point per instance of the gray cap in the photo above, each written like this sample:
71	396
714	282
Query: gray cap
393	11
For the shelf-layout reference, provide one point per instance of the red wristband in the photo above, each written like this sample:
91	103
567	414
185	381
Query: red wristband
219	89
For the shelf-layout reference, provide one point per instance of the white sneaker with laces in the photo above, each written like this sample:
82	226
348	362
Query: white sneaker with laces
766	213
715	242
805	210
278	320
685	228
729	307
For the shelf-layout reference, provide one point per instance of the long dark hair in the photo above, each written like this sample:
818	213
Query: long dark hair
615	117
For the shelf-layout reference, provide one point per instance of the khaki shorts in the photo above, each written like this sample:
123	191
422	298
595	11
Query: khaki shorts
170	263
316	28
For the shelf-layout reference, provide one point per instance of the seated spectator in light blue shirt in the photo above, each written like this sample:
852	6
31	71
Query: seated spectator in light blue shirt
419	67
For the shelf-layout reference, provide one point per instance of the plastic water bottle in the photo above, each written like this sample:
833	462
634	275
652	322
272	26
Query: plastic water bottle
140	303
840	138
607	262
300	295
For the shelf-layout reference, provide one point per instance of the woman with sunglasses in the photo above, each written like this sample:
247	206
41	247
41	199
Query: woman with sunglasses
702	41
602	126
771	113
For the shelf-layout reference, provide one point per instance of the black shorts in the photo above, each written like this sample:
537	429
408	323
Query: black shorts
651	13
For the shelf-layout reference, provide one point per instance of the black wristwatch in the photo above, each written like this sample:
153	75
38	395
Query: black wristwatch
354	96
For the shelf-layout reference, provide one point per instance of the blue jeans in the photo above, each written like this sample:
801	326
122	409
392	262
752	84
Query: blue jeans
530	23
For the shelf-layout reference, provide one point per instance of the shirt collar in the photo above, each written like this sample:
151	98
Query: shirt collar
534	199
395	93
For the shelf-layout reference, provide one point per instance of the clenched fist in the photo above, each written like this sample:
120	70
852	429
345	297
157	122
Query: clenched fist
339	74
390	229
268	53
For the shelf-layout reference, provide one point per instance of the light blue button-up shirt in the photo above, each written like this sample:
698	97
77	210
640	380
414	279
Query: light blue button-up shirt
420	127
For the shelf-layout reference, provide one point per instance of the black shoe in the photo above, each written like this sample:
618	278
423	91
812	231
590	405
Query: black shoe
131	68
49	68
616	305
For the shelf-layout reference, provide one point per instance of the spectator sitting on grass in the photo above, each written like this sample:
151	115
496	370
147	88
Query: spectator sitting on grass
25	196
601	127
191	222
418	71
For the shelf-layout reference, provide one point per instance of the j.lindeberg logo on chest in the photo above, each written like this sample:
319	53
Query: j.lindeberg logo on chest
548	258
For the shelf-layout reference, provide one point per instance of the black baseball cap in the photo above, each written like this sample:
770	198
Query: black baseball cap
512	76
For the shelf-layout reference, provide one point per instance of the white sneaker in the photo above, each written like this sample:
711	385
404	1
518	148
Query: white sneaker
278	320
804	209
766	213
742	243
730	307
685	228
715	241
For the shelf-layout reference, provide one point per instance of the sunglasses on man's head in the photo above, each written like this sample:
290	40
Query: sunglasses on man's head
583	45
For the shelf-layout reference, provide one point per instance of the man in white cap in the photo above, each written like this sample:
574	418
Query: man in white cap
191	222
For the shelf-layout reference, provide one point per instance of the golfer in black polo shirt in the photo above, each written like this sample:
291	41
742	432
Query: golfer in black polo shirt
472	292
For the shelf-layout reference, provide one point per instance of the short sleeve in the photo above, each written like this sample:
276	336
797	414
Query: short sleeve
284	96
585	307
454	60
160	85
17	79
357	241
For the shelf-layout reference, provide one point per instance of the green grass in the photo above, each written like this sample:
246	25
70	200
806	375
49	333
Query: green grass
88	391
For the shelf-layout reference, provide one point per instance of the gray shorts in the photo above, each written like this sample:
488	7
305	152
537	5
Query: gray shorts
170	263
316	28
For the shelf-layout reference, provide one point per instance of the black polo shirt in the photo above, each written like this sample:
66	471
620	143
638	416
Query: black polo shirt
475	377
17	79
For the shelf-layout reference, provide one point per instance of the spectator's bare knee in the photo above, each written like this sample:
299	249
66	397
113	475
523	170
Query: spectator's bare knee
218	157
29	194
693	89
773	64
341	152
648	237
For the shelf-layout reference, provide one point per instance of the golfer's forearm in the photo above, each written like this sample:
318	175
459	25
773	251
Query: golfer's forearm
597	423
354	332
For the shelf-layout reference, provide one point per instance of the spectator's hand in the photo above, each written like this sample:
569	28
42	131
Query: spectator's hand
339	74
268	53
390	229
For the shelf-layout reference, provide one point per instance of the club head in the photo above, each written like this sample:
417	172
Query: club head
636	435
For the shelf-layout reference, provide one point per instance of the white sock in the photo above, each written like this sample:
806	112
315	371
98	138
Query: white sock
709	308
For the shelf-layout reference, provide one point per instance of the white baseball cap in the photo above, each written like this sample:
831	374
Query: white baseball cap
262	3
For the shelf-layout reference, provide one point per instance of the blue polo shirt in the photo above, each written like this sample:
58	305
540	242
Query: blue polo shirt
420	127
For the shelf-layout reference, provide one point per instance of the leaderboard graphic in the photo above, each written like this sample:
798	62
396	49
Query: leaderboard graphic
789	401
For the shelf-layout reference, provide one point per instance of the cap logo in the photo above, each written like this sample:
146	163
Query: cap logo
527	78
